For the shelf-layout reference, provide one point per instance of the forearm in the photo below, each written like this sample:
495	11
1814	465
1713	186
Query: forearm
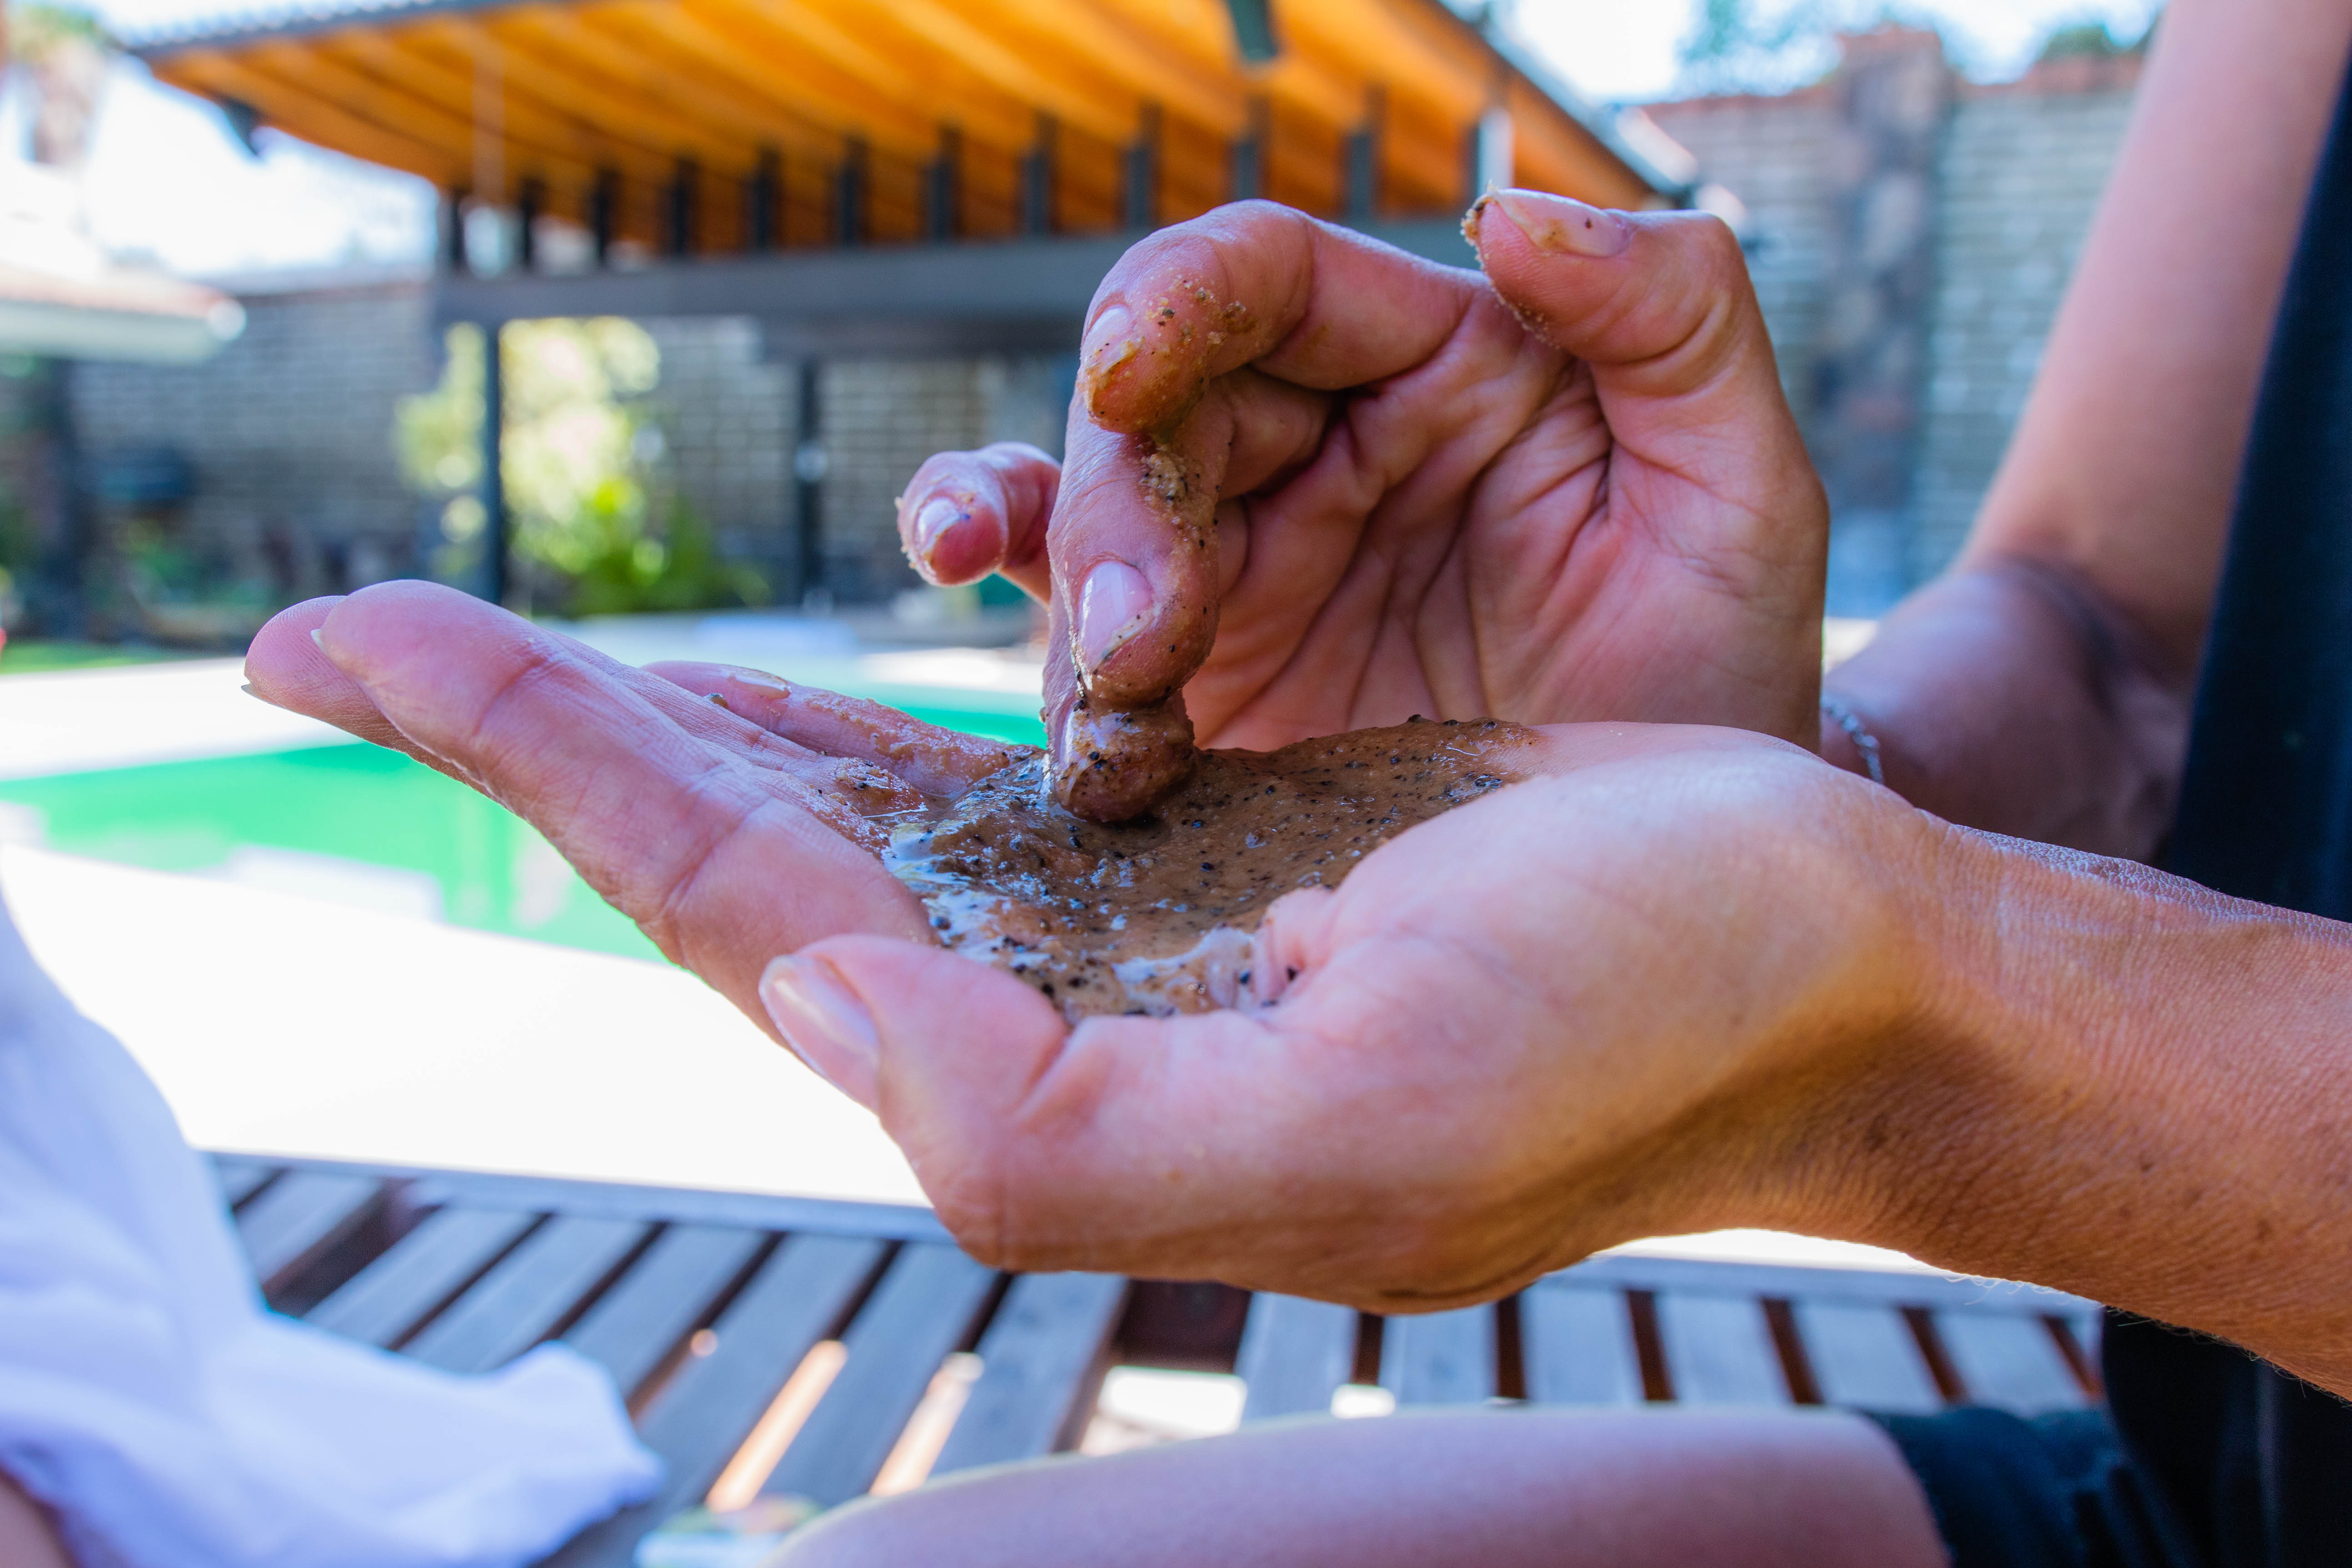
2009	697
2125	1085
2042	689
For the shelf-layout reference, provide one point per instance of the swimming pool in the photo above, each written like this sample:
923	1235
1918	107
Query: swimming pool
359	824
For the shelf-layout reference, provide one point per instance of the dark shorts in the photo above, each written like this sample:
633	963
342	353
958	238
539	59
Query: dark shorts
2043	1491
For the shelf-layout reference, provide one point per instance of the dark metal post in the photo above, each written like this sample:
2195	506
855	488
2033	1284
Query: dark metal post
453	229
943	192
849	194
604	213
808	487
59	506
1362	174
763	195
495	582
678	238
531	200
1142	192
1037	213
1245	173
1254	33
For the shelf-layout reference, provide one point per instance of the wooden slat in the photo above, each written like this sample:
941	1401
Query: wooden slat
986	118
1792	1282
702	1417
302	1214
707	115
240	1179
891	1222
1440	1358
1295	1355
422	1270
2087	1329
749	49
395	110
513	1306
641	1317
1578	1347
1720	1351
1865	1357
302	113
921	1311
1091	43
1039	1362
552	79
942	28
2009	1360
407	59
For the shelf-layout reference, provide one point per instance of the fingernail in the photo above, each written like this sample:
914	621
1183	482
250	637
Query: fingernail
824	1023
761	681
1564	226
321	643
1111	338
939	514
1112	606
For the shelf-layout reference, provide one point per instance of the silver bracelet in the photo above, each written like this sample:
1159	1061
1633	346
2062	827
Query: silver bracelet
1863	740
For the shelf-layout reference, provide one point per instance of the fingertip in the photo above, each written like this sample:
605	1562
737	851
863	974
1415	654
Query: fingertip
288	637
284	663
1549	225
824	1023
385	623
952	542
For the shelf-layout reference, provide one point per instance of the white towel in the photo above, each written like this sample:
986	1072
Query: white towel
170	1420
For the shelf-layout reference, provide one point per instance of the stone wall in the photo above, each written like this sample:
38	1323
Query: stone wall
1907	299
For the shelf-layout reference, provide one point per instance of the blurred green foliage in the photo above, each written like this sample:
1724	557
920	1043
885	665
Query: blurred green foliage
35	30
594	513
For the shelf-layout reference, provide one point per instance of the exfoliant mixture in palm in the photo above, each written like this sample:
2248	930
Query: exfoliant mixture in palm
1155	916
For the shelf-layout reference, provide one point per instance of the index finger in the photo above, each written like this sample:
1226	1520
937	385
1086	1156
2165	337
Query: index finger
1254	283
720	860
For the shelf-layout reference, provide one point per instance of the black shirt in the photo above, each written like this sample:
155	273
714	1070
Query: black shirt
2257	1464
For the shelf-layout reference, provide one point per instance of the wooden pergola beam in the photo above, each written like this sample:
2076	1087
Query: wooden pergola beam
1369	107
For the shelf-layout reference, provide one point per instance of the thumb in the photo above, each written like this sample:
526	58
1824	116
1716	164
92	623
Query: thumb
1660	304
1125	1141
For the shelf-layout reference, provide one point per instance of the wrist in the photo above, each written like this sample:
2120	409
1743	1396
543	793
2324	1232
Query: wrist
2127	1086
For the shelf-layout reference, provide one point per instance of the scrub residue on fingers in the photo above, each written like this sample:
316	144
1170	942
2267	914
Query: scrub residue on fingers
1157	916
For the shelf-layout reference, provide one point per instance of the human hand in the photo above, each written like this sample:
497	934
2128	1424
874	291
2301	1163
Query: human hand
731	815
1616	1000
1317	485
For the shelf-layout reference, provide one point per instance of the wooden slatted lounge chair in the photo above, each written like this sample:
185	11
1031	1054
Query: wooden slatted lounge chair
703	1304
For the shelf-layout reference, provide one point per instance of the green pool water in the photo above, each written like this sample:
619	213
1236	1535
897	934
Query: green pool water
361	803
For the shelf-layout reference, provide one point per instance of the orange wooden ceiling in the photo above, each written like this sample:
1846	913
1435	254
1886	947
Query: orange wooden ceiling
487	96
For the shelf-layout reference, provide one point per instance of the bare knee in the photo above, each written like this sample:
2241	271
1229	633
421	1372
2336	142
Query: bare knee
28	1539
869	1533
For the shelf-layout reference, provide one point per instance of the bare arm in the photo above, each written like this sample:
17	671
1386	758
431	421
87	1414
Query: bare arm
2041	687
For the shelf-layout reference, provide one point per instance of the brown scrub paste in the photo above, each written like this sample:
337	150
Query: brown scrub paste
1155	916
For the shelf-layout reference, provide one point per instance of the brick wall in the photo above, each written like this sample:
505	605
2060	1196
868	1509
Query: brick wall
288	430
730	416
2023	170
